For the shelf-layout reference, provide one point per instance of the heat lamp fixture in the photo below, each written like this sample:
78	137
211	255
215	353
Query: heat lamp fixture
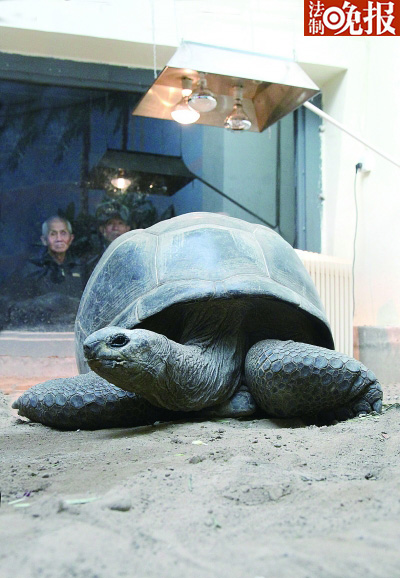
182	112
272	87
237	119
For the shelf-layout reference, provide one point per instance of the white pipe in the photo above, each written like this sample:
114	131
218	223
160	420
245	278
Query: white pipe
325	116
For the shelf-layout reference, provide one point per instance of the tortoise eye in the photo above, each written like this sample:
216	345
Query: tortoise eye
118	340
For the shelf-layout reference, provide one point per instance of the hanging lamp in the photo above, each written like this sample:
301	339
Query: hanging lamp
120	181
271	87
182	112
237	119
202	99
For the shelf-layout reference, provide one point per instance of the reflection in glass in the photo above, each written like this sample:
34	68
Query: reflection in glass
50	139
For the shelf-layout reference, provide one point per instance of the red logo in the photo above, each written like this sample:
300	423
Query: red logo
345	18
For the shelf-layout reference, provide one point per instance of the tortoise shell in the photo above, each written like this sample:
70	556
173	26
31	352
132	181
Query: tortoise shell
201	257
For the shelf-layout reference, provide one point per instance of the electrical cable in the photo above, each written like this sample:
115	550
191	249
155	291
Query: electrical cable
221	193
275	227
153	29
358	168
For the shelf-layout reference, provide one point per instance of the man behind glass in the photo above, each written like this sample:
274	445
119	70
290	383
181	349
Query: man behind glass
56	269
47	289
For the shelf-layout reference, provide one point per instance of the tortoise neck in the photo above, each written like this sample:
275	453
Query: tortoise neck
213	346
207	323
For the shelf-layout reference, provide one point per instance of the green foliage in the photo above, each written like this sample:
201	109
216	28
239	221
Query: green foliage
142	212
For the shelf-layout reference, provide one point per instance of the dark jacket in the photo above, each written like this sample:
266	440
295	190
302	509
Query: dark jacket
43	294
44	275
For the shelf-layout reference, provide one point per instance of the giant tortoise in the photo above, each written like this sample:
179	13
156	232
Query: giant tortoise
202	315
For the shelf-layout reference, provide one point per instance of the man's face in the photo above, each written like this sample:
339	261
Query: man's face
114	228
58	238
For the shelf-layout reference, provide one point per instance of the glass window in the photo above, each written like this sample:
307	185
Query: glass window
62	151
59	208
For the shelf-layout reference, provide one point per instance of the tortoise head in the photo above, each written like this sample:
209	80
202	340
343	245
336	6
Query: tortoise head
124	356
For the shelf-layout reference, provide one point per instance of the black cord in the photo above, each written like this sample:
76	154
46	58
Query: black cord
234	202
224	195
358	168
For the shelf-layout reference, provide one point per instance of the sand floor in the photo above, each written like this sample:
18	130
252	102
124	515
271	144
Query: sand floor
217	499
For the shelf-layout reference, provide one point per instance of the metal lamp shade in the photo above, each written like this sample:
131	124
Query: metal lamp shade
272	87
148	173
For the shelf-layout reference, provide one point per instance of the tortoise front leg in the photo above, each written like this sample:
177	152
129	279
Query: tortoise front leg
289	379
86	401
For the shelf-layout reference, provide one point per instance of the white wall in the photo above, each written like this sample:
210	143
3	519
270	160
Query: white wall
365	98
359	76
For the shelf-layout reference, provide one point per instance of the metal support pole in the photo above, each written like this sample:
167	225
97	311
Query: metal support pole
325	116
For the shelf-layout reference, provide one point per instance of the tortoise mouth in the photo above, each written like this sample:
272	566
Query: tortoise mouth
106	366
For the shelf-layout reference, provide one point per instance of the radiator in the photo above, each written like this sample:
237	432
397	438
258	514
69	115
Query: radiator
333	280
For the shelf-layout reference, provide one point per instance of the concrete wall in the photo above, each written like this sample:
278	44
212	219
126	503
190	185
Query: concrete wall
36	355
364	98
379	349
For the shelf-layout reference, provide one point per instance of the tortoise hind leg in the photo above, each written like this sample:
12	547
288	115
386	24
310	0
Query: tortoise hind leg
289	379
86	401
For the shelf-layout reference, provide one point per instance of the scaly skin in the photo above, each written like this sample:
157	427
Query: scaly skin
284	378
289	379
89	402
168	374
86	402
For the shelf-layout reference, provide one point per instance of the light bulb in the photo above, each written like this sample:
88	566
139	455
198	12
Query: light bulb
120	181
186	86
238	119
183	113
202	99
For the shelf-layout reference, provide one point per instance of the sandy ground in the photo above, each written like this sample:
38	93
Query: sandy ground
224	498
